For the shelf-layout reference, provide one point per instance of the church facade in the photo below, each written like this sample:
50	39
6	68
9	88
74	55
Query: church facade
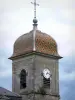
35	66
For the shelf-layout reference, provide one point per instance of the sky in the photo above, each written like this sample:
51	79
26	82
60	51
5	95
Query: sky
56	18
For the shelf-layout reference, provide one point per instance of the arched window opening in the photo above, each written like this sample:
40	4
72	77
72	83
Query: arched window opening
46	82
23	79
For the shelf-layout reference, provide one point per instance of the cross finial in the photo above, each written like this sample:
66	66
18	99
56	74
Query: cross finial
35	4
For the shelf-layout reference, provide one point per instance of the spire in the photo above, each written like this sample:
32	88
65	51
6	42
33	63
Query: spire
34	24
35	20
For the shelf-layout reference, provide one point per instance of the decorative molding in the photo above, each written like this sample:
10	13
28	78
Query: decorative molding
39	93
34	53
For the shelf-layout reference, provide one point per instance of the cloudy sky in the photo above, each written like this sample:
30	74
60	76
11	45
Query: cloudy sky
56	18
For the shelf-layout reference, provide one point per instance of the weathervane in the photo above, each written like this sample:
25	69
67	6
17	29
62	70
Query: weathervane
35	4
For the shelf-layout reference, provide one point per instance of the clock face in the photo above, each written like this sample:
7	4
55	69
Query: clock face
46	73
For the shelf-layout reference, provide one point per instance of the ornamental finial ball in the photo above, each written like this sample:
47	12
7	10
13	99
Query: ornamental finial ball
35	21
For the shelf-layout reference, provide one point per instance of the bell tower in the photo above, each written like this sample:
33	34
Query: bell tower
35	65
35	73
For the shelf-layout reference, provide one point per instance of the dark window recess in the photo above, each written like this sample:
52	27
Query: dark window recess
46	82
23	79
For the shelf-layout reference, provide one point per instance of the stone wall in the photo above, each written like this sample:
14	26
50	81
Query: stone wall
34	66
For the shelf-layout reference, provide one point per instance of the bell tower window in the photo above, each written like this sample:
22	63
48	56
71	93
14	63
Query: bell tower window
46	82
23	79
46	78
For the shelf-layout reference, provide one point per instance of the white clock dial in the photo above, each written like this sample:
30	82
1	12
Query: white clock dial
46	73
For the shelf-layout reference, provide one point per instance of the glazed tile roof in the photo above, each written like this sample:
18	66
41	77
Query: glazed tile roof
44	43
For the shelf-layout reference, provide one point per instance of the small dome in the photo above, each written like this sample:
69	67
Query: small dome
43	44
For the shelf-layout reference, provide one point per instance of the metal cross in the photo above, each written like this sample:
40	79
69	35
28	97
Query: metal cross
35	4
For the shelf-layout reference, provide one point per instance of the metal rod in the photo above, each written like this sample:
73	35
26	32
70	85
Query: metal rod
35	4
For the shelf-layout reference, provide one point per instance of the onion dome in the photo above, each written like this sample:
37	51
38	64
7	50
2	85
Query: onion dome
44	44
